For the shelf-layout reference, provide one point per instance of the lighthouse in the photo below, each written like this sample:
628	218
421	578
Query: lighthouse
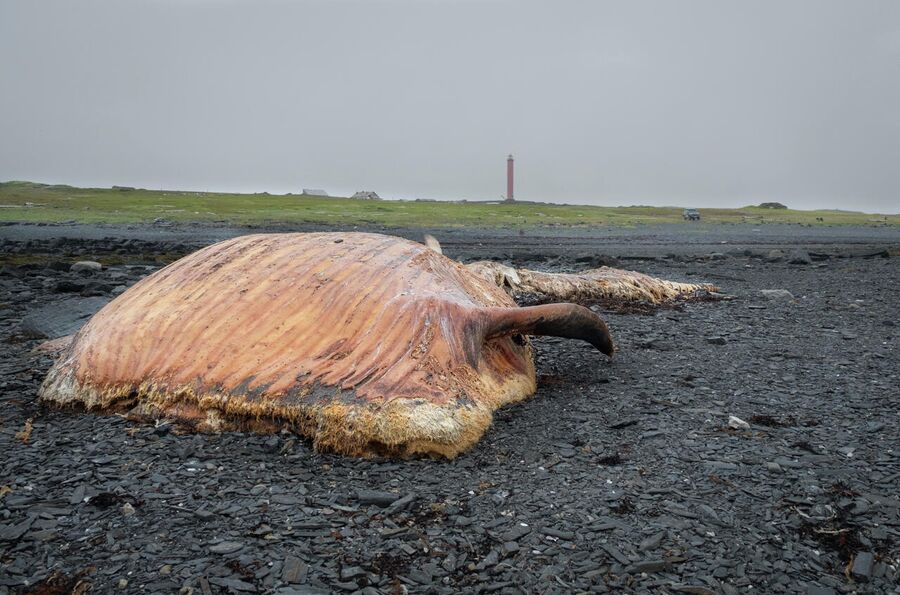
509	179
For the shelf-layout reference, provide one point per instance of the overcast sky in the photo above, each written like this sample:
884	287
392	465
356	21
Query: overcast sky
693	103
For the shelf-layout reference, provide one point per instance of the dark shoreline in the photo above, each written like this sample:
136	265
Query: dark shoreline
620	476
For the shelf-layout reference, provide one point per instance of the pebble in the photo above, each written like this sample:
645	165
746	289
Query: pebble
352	572
652	542
777	294
13	532
226	547
722	465
737	423
285	499
383	499
78	495
491	559
86	265
862	565
517	532
799	257
294	570
306	590
233	584
647	566
557	533
616	554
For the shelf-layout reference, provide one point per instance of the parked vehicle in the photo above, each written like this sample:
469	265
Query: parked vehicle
691	215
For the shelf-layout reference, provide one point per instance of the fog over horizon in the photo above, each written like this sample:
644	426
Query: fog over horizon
701	103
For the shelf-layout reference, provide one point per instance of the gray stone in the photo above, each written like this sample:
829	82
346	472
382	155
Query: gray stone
86	265
14	531
737	423
568	535
285	499
722	465
402	503
351	572
377	498
799	257
294	570
701	590
232	583
226	547
77	496
862	565
652	542
777	294
419	576
647	566
616	553
517	532
492	558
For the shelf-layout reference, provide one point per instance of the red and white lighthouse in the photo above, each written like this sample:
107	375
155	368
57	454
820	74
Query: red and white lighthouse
509	178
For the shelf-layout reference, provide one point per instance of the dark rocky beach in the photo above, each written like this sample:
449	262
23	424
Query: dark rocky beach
627	475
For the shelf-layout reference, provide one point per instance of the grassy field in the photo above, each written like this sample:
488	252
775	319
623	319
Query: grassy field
32	202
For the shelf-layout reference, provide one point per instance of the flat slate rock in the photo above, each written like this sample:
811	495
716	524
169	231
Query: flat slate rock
377	498
226	547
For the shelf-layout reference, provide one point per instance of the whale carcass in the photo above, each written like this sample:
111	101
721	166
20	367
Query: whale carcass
604	285
367	344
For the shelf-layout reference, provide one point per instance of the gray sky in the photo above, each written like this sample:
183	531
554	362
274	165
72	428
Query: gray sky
694	103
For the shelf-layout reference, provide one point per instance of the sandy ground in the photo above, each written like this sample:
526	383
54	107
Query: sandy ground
618	476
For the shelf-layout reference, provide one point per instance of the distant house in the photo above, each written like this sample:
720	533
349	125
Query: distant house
366	195
313	192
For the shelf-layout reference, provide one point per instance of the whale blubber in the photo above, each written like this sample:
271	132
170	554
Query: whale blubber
367	344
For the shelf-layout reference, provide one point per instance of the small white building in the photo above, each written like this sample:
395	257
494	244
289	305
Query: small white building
313	192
